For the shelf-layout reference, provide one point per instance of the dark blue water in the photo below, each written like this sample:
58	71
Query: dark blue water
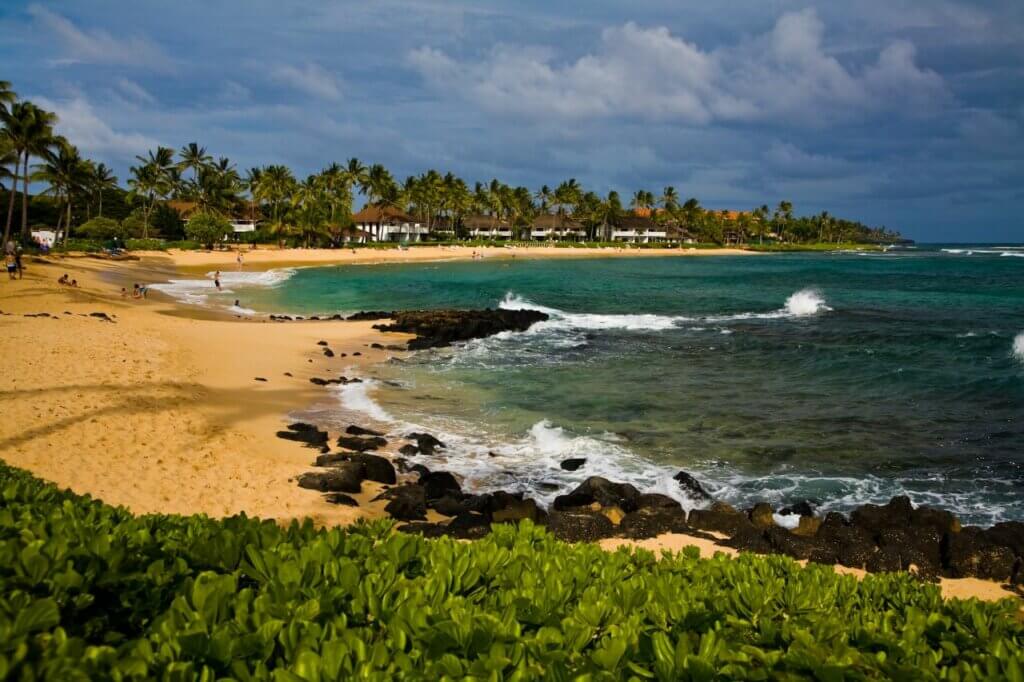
842	378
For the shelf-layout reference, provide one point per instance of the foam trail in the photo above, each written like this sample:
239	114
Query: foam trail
356	397
197	291
561	319
1018	347
238	310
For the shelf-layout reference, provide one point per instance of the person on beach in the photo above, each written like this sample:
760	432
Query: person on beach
17	260
74	284
216	280
124	292
239	259
12	266
63	281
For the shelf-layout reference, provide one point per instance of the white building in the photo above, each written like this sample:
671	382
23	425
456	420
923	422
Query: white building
389	225
487	227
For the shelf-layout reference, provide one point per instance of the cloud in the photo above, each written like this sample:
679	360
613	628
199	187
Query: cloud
135	91
83	127
235	92
98	46
788	160
783	76
310	78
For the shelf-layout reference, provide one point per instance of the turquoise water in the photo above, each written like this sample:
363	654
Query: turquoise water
842	378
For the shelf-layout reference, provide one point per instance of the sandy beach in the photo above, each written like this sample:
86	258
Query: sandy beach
160	408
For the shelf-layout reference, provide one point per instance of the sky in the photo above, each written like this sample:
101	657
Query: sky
902	113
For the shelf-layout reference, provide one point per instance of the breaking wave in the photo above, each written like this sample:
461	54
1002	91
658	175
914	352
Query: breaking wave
198	291
1018	347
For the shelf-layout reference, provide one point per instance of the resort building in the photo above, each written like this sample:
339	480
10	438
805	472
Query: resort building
487	227
561	227
389	225
638	229
241	223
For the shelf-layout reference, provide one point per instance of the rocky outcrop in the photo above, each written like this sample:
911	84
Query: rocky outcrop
692	487
361	443
601	491
438	328
425	443
573	463
308	434
345	478
405	502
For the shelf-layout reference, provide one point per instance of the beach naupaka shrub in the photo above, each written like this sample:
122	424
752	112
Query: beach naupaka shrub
88	591
99	228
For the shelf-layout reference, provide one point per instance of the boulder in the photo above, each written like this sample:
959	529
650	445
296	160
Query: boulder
692	487
657	501
600	491
427	530
449	505
1007	534
720	517
808	527
371	315
328	353
873	518
573	463
406	502
939	519
438	328
651	522
762	516
375	468
748	539
517	510
361	443
330	460
437	484
801	508
344	479
426	443
968	554
799	547
354	430
321	343
577	526
341	498
409	450
304	433
467	526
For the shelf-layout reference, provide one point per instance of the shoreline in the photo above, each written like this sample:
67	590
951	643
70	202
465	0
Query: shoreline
165	397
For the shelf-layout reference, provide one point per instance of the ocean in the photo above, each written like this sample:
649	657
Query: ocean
841	378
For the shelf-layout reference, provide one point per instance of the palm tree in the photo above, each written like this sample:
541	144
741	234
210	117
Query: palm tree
355	174
102	180
7	96
145	185
567	194
67	174
782	217
544	198
195	157
380	188
670	199
29	131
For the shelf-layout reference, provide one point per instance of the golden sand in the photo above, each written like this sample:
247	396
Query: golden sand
160	410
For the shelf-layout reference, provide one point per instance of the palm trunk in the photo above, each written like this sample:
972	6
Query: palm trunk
24	205
101	204
67	226
10	204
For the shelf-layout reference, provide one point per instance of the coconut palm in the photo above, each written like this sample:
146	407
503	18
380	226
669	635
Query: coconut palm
68	175
101	180
29	131
7	96
544	197
567	194
380	188
195	157
670	199
356	175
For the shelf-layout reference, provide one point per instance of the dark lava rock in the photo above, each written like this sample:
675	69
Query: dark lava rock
102	316
939	519
720	517
304	433
354	430
648	523
517	510
361	444
330	460
784	542
375	468
376	346
409	450
761	515
1008	534
321	343
601	491
748	539
573	463
656	501
328	353
427	443
852	545
371	315
969	554
692	487
437	328
341	498
356	354
406	502
873	518
437	484
468	526
259	379
801	508
287	374
345	479
427	530
579	526
449	505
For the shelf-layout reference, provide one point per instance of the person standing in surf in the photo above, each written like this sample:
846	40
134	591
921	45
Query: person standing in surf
216	280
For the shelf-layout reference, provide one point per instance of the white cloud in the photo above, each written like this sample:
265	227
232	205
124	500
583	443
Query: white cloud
83	127
234	92
784	75
98	46
310	78
135	91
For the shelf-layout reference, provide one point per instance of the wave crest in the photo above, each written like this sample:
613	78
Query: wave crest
806	302
1018	347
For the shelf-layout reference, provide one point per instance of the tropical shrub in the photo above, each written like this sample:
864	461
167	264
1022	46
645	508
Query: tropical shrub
145	244
88	591
102	229
207	228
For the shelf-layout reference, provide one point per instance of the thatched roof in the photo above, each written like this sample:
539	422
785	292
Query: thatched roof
636	222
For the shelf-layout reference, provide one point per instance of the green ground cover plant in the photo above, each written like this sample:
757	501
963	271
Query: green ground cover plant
91	592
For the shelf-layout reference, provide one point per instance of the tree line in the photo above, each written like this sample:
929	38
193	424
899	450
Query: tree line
318	208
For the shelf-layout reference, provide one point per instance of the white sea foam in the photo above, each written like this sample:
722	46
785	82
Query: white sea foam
356	397
1016	254
563	319
1018	347
197	291
806	302
238	310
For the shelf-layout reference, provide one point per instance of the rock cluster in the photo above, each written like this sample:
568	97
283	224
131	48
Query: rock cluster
438	328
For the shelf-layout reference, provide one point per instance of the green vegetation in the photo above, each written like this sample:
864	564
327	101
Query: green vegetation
101	229
88	592
208	228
